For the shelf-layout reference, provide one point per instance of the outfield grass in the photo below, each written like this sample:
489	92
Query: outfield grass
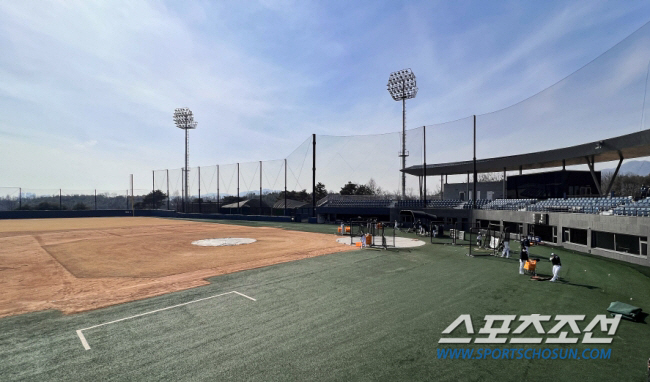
362	315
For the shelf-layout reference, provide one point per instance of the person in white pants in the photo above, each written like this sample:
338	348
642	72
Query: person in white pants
557	265
523	257
506	246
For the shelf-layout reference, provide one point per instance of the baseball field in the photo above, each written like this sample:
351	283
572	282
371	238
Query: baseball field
133	299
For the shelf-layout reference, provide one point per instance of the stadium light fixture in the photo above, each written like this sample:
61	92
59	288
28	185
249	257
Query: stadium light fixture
402	86
184	119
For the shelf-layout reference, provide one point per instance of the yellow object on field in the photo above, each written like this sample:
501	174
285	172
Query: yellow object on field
530	265
359	244
347	229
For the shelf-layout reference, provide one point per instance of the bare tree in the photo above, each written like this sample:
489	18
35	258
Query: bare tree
490	177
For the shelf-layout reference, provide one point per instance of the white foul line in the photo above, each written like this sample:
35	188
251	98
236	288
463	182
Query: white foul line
87	347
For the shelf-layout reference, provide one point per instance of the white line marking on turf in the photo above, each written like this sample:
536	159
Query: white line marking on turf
83	340
87	347
243	295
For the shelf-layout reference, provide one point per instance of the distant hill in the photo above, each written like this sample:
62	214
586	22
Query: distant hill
634	167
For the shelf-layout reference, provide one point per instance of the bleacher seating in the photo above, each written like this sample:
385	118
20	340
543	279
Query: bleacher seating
624	206
468	204
409	203
632	208
445	203
357	201
593	205
508	204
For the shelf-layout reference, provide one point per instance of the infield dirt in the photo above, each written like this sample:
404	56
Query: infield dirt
74	265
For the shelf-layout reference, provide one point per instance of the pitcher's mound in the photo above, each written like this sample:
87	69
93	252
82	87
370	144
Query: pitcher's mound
223	242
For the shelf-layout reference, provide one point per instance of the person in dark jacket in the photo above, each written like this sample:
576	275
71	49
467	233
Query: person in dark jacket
557	264
523	257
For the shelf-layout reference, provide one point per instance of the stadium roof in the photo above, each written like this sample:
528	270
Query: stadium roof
628	146
290	204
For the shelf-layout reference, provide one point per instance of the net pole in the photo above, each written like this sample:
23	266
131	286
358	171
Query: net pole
95	199
20	197
313	179
168	189
199	188
218	200
285	187
60	200
424	164
132	198
403	146
238	204
261	210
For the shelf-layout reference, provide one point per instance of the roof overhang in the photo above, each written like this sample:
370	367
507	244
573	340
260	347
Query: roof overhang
628	146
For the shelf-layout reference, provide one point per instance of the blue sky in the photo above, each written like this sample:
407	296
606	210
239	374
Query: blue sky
88	88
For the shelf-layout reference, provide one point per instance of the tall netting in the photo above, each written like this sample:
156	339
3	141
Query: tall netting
161	183
358	159
42	199
9	198
415	151
228	182
209	189
604	99
449	142
273	176
249	180
176	188
299	167
113	199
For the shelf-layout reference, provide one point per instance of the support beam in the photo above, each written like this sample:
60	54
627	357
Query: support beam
424	167
505	196
590	163
199	170
611	182
313	179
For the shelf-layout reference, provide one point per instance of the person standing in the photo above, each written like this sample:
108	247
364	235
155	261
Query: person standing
506	245
523	257
557	264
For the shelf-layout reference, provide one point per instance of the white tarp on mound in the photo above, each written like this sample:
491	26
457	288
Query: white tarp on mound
223	242
400	242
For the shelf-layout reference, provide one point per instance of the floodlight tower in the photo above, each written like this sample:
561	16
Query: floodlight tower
184	119
401	86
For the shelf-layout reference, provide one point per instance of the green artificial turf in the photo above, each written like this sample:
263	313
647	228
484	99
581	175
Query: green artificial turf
361	315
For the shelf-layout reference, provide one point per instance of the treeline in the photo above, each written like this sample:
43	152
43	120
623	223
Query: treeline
625	185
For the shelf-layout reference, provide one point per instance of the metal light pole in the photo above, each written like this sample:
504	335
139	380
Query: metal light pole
184	119
401	86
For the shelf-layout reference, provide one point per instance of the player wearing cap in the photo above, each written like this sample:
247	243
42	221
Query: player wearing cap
557	264
523	257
